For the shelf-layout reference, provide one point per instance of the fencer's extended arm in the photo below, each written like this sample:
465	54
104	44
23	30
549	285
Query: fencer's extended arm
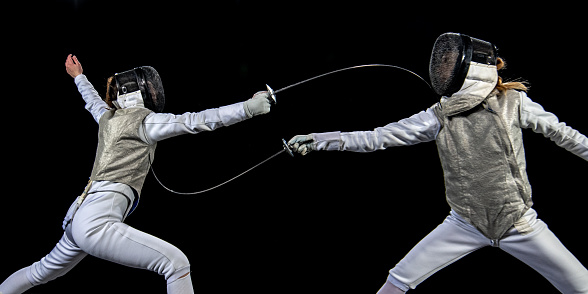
160	126
419	128
94	104
534	117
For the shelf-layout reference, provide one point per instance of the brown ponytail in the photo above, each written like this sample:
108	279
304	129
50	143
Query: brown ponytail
502	87
111	91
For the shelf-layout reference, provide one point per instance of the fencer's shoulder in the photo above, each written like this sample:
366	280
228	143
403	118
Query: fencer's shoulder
436	109
513	94
161	116
107	114
126	114
133	110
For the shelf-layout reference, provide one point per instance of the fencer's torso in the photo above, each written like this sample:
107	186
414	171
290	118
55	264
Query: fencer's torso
135	131
483	160
122	155
481	151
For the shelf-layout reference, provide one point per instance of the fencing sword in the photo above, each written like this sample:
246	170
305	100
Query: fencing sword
273	93
285	146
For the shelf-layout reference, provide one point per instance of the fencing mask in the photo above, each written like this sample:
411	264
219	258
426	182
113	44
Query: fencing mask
140	86
451	60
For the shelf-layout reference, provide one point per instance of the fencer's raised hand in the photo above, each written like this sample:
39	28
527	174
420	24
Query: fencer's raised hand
302	144
258	104
73	66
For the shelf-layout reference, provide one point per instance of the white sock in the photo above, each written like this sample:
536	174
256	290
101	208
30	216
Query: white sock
389	288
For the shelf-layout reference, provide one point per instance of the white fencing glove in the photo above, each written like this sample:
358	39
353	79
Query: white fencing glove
258	104
302	144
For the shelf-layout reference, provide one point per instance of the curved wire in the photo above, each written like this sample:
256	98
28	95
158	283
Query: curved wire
214	187
353	67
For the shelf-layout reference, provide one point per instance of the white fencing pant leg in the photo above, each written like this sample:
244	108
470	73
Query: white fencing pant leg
181	285
98	229
542	250
57	263
17	283
450	241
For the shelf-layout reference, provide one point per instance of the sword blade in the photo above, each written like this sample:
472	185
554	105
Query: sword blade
348	68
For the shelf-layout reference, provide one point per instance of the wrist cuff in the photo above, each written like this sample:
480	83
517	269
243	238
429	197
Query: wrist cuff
330	141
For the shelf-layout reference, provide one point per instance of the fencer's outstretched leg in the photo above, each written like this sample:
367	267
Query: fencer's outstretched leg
389	288
16	283
64	256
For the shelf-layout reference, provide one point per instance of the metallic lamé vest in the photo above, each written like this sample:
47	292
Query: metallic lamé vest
483	160
122	156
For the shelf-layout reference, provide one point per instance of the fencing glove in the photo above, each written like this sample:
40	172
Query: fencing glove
302	144
258	104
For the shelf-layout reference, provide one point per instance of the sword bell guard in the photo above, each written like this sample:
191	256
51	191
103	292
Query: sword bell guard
287	148
272	94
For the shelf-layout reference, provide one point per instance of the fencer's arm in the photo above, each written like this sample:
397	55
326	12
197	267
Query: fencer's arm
160	126
419	128
534	117
94	104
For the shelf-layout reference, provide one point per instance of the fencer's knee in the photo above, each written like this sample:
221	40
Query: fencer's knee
57	263
179	266
183	284
178	274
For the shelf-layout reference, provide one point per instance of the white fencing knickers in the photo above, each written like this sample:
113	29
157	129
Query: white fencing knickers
97	229
537	247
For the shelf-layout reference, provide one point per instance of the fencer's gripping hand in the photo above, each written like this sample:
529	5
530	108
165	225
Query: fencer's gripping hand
302	144
73	66
258	104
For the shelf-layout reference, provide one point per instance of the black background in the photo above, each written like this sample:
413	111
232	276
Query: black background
331	222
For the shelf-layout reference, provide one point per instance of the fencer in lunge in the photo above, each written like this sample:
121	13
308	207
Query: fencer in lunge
477	127
130	125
